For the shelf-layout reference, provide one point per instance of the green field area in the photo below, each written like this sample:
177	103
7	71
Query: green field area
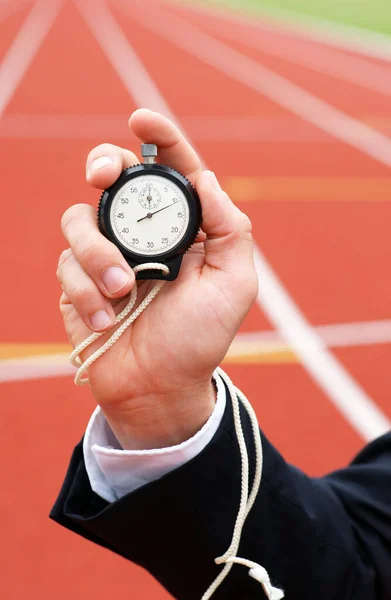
367	14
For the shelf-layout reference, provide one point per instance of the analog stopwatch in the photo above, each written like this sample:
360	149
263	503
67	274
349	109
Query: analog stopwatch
151	213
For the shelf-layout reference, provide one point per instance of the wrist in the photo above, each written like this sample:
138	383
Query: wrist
155	421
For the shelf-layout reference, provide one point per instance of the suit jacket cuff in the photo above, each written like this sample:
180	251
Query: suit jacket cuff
114	472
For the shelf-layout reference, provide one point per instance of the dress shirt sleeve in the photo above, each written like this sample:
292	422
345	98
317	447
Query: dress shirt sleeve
114	472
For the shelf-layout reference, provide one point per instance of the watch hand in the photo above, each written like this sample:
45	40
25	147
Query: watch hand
149	215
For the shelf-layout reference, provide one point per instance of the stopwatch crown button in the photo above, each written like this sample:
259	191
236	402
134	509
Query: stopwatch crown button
148	150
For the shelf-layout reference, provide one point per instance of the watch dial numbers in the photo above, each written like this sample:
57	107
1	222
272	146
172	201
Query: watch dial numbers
151	217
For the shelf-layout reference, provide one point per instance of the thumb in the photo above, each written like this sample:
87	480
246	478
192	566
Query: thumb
228	230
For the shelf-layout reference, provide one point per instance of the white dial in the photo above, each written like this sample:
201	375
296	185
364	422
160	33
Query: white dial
149	215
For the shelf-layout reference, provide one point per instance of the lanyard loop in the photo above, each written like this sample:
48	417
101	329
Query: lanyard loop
247	500
75	356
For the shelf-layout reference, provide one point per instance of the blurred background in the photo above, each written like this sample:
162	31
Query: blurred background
288	101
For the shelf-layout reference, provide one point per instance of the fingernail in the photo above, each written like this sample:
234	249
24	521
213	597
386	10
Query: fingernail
115	279
99	163
100	320
212	180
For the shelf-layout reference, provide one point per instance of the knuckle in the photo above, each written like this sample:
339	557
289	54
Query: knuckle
90	252
79	294
62	309
70	215
64	257
61	304
245	224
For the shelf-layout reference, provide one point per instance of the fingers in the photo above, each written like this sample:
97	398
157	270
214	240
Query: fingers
78	289
174	149
227	229
201	237
99	259
105	163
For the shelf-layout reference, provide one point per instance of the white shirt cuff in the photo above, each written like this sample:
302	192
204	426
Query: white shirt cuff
114	472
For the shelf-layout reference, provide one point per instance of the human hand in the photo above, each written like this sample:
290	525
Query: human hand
154	385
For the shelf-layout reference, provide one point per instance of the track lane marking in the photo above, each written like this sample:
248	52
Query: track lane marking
324	60
308	189
224	129
321	31
200	128
338	384
24	360
11	7
120	53
25	46
262	80
122	56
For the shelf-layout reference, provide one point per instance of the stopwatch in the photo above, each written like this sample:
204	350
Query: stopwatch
152	213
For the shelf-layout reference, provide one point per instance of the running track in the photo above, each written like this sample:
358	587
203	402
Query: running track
300	135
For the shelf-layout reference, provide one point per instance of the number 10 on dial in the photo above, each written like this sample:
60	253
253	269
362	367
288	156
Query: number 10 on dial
151	213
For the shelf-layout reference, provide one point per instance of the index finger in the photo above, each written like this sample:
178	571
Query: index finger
174	150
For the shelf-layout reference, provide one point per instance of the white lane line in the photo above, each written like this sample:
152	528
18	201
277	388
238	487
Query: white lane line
25	372
218	129
334	335
8	8
347	396
65	126
122	56
40	368
264	81
322	31
25	47
357	407
125	61
244	346
321	59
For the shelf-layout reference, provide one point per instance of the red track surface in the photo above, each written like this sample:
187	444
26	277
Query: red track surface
333	257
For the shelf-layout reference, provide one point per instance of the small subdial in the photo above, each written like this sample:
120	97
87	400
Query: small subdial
149	197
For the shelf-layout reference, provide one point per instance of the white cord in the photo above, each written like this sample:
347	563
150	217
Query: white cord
246	501
75	358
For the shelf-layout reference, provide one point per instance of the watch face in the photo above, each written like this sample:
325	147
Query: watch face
149	215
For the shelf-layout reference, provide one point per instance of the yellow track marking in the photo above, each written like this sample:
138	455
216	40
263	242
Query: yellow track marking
269	358
353	189
239	353
12	351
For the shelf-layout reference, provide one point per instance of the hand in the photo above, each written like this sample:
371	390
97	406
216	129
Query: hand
154	384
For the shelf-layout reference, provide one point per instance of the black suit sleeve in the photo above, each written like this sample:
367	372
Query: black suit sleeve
319	538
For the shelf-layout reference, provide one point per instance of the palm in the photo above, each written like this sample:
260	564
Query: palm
182	334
